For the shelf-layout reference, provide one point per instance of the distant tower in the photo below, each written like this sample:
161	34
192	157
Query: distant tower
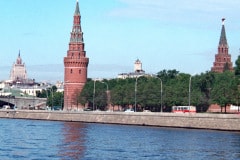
75	64
138	66
222	58
18	72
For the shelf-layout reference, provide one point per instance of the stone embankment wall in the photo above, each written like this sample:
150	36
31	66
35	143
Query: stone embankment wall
227	122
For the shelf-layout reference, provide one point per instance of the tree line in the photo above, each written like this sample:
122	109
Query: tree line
180	89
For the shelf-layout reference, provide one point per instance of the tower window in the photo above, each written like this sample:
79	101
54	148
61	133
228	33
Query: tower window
71	71
80	71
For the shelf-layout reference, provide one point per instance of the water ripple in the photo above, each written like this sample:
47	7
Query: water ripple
43	140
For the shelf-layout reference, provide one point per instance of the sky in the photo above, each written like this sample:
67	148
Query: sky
181	35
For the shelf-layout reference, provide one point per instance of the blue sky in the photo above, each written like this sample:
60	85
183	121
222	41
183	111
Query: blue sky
174	34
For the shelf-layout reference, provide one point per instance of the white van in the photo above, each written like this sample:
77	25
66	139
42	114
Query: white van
6	107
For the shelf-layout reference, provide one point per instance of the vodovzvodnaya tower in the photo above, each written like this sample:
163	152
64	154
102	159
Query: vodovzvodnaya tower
75	64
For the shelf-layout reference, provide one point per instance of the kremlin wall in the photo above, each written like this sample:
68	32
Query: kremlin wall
224	122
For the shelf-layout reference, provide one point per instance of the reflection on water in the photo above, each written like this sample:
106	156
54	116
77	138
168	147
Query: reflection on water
73	144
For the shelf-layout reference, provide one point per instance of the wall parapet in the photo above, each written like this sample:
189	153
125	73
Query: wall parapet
226	122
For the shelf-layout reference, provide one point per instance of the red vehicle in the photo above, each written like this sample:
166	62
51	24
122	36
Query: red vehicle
183	109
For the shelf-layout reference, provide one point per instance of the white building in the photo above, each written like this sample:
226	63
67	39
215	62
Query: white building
18	72
138	71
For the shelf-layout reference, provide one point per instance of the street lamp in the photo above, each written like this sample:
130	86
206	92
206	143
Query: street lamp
136	94
189	96
52	97
93	92
33	97
107	93
161	89
161	93
106	85
66	86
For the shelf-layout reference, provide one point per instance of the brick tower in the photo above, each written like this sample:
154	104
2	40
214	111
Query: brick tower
75	64
222	58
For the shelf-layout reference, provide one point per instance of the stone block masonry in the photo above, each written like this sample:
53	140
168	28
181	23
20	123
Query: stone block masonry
224	122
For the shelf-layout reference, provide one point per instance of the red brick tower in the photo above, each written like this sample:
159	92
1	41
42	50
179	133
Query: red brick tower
222	58
75	64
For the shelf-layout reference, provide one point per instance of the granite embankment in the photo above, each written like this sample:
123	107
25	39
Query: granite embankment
226	122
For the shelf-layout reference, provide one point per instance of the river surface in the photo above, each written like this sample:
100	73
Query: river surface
51	140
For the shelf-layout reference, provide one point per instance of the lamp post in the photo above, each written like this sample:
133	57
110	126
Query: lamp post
161	90
106	85
33	97
52	97
161	93
67	94
93	92
136	95
107	94
189	91
34	94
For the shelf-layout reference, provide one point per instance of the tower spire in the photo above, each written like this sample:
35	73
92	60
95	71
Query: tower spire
223	38
76	34
77	11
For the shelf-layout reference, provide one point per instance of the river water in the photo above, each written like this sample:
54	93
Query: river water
50	140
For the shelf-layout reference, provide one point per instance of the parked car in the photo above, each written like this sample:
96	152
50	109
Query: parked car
6	107
87	109
57	108
129	110
146	111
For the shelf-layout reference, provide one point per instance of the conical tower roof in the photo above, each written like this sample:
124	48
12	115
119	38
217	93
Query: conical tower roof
77	11
223	38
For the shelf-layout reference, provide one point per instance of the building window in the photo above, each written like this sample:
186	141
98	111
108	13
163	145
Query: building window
71	71
80	71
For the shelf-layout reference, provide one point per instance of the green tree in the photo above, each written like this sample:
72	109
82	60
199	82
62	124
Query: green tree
99	98
166	75
86	95
149	94
202	86
224	89
54	98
